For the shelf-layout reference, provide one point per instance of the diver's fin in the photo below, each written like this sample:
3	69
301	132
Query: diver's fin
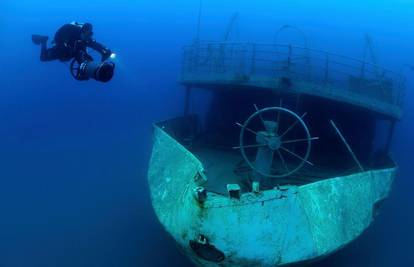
39	39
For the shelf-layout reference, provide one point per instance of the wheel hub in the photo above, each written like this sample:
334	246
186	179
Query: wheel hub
274	143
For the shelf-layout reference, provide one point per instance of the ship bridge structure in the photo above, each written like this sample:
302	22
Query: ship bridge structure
289	69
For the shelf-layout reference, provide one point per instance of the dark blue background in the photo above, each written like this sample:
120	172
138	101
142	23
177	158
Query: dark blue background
74	155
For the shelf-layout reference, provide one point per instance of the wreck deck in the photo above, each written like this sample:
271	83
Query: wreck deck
293	70
223	167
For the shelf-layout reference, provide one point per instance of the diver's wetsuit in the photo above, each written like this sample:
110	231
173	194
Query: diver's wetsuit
68	44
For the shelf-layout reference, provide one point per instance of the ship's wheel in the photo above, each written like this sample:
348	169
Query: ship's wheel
273	142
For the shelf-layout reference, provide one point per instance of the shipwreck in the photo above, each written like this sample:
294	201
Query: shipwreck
289	163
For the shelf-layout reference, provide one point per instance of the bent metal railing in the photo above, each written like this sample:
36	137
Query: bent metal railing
263	63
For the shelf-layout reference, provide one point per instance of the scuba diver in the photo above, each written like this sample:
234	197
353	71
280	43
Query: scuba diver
70	43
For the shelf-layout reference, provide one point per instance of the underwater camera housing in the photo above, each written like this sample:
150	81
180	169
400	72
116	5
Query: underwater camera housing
99	71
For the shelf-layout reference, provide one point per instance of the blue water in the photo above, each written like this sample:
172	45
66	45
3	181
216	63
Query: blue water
74	155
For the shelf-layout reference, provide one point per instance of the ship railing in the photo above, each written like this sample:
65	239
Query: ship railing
244	62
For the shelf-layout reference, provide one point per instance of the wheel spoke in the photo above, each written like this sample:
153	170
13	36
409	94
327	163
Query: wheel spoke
299	140
250	146
260	115
296	155
250	130
283	160
246	128
293	125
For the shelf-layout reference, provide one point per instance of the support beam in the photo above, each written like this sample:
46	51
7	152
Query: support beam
187	99
347	145
390	135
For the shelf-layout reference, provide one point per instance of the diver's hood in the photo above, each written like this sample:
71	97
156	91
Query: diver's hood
83	26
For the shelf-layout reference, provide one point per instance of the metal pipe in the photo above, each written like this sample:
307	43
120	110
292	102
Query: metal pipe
347	145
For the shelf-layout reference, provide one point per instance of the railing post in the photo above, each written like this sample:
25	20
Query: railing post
210	60
308	64
243	60
185	63
326	70
253	69
363	69
222	59
401	91
195	57
289	58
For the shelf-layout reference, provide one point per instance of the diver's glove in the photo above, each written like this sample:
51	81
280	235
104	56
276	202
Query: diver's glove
39	39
